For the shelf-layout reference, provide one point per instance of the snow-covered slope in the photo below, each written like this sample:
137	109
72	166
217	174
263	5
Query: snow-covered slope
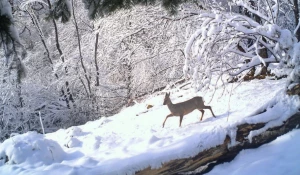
134	139
280	157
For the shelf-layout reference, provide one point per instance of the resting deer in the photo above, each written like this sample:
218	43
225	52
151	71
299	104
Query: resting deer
183	108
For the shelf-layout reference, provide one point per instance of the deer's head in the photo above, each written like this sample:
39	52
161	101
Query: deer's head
167	98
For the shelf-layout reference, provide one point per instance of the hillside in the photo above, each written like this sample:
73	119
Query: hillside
134	139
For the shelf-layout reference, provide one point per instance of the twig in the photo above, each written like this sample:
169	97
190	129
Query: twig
51	153
41	122
229	102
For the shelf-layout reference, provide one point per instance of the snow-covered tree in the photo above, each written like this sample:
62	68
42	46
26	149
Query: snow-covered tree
92	67
121	57
9	37
101	8
231	43
12	70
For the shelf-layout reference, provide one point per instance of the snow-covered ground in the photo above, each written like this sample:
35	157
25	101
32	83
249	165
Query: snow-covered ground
280	157
134	139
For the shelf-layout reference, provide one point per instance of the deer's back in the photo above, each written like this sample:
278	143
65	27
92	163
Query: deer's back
186	107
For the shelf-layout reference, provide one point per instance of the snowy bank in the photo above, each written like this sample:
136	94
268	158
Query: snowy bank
282	156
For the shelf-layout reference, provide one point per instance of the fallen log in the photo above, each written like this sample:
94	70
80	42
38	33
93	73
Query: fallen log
207	159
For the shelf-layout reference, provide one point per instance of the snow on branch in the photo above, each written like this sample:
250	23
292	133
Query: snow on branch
250	9
230	43
254	62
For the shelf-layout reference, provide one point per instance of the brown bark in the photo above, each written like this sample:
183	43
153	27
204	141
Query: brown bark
96	62
294	91
296	13
222	153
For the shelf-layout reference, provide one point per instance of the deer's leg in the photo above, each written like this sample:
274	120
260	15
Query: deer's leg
170	115
202	111
208	107
181	117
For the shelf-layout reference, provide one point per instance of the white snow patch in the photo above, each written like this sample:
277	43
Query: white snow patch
281	156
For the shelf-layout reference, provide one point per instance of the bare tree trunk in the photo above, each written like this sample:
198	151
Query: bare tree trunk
128	79
56	34
36	24
64	94
96	62
80	53
94	98
296	13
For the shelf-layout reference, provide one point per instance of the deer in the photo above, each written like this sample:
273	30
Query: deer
186	107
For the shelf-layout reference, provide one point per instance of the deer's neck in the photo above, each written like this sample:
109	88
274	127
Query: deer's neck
170	105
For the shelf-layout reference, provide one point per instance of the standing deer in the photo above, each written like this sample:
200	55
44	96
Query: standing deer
183	108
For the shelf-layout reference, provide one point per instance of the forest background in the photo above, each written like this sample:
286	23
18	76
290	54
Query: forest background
66	62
